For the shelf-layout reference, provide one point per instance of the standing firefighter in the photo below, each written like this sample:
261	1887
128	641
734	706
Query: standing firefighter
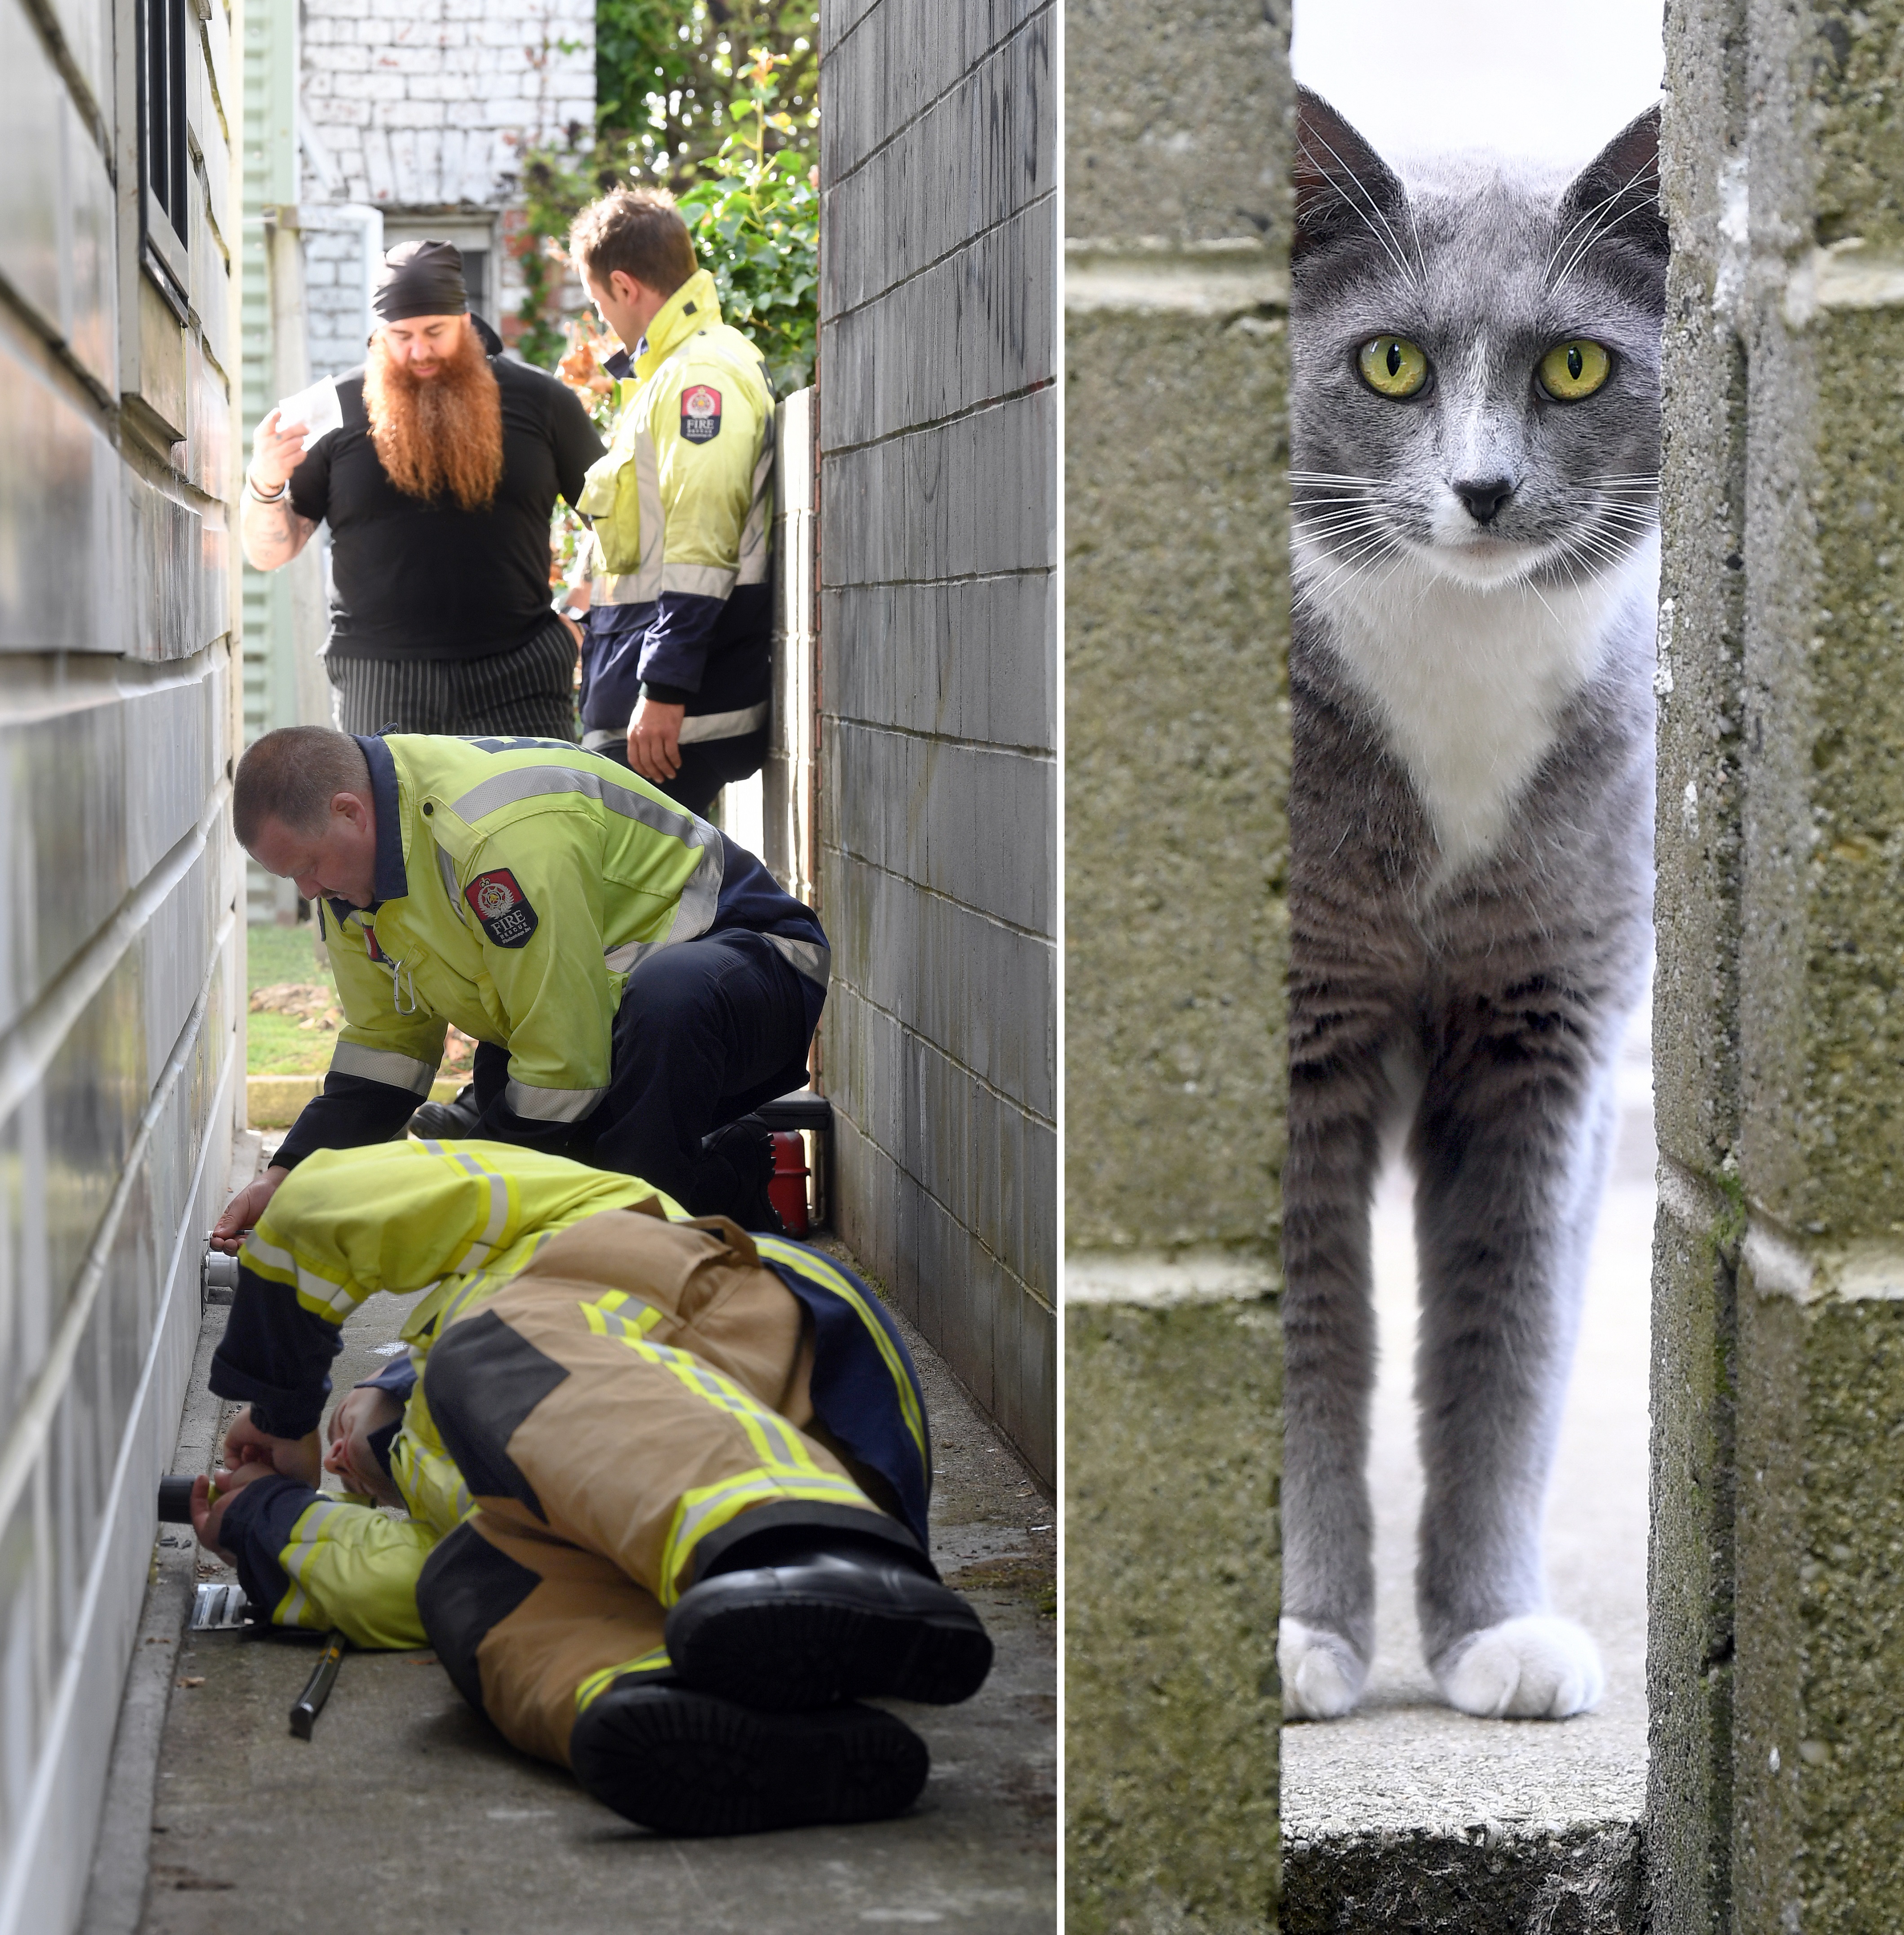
674	662
440	464
636	983
667	1483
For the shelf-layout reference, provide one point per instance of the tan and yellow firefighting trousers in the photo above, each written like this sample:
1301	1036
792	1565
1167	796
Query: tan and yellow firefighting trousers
636	1400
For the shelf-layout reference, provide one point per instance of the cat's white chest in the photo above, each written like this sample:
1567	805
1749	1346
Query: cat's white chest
1470	684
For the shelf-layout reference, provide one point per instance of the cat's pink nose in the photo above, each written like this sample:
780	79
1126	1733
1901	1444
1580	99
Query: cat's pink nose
1484	497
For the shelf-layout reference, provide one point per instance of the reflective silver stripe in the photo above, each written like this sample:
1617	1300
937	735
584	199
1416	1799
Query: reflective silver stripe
599	736
700	899
754	556
510	789
446	866
297	1550
806	958
382	1065
484	1246
319	1289
700	580
619	960
551	1105
700	894
723	725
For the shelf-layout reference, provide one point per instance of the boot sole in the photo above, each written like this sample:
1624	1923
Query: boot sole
797	1653
680	1762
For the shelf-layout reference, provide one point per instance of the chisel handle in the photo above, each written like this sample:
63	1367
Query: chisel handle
317	1688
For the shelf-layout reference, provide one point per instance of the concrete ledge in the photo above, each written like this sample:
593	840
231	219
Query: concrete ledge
1583	1878
273	1101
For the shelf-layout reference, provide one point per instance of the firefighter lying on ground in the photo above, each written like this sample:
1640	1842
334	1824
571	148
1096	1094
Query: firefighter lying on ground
665	1482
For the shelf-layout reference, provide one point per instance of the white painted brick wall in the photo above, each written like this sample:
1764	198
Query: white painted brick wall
334	301
426	105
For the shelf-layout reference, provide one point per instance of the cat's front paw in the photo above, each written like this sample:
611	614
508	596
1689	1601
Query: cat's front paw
1321	1676
1537	1667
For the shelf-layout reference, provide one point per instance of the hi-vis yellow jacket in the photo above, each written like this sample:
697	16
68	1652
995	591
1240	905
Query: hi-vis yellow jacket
461	1219
464	1217
518	882
682	506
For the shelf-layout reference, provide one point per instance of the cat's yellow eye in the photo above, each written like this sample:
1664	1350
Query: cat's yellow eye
1571	370
1393	365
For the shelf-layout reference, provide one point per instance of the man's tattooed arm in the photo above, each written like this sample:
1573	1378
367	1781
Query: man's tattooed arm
274	532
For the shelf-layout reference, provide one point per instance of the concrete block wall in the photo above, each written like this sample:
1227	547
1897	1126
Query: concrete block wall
120	984
938	534
1778	1568
1177	734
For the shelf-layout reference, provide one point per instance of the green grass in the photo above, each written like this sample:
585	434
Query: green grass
275	1044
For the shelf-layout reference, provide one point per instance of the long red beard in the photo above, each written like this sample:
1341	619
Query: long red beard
438	434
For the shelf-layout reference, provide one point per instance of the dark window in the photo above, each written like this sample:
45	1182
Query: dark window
476	279
164	161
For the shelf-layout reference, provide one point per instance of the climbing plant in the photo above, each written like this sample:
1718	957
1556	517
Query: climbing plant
718	102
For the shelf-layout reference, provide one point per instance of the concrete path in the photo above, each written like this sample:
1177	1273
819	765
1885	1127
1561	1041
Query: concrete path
406	1811
1406	1768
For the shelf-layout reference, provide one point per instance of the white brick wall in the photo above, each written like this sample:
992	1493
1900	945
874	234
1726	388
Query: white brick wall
334	301
426	105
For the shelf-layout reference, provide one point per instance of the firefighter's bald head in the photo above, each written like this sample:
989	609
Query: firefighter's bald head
304	809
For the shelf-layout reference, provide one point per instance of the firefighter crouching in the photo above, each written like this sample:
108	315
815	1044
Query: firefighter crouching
667	1483
634	980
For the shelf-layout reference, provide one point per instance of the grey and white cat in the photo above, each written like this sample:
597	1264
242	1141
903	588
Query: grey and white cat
1475	433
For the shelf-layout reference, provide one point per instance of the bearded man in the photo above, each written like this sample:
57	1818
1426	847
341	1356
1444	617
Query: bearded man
437	466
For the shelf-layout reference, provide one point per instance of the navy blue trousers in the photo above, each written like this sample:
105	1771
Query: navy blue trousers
706	1031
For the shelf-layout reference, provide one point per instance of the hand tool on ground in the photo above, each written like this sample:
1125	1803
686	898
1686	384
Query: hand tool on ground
317	1688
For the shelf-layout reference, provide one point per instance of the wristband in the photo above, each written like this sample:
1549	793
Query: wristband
259	496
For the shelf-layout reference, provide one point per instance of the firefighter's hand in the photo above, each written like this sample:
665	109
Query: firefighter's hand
654	740
299	1458
244	1210
208	1512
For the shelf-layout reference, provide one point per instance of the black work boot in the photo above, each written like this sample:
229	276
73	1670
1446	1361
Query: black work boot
683	1762
745	1148
822	1625
447	1121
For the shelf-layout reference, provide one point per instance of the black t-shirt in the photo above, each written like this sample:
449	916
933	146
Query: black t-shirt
417	580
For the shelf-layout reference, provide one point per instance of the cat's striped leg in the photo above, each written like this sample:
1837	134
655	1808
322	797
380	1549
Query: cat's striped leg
1510	1147
1327	1632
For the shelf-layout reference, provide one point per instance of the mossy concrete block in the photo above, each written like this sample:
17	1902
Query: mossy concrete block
1177	766
1824	1144
1172	1582
1698	680
1690	1585
1819	1754
1175	118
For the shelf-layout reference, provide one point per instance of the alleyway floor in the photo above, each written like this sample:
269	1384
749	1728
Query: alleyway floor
405	1811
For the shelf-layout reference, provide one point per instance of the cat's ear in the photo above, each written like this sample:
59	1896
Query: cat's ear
1342	185
1616	197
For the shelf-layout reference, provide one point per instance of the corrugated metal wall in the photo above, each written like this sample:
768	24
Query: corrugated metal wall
119	987
938	649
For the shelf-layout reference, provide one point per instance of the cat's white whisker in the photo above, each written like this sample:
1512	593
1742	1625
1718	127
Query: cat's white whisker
1384	234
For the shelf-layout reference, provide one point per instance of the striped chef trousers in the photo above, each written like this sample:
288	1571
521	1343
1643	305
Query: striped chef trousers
528	693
